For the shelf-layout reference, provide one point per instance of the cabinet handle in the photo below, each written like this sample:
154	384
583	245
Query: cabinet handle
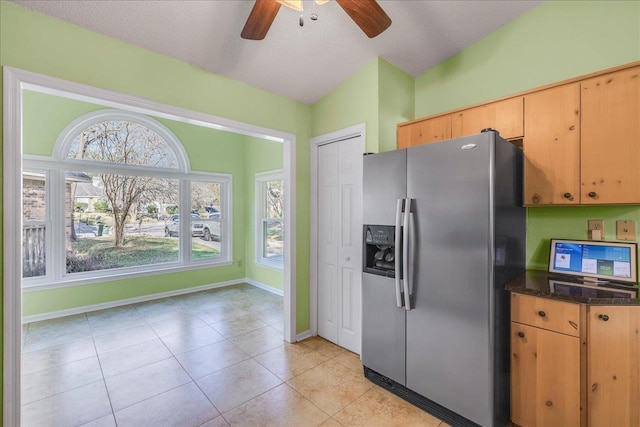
521	334
542	314
567	196
603	317
592	194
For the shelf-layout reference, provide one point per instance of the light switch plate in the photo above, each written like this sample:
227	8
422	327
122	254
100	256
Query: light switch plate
626	230
596	229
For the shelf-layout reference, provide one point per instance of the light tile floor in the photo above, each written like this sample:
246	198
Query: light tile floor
210	359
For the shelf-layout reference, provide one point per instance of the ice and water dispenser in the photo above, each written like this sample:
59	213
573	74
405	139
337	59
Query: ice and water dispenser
379	250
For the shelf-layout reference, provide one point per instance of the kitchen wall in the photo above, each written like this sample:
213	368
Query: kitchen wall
555	41
352	102
380	95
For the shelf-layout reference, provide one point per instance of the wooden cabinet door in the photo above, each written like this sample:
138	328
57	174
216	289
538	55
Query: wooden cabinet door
404	136
552	146
613	373
504	116
431	130
611	138
545	378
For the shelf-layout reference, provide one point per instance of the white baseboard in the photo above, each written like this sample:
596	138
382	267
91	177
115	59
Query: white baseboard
120	302
304	335
264	286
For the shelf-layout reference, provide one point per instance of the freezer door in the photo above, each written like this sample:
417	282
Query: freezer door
448	329
383	328
385	181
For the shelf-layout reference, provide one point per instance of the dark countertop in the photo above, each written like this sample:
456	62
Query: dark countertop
566	288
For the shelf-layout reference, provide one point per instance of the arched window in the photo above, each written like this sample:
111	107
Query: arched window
121	137
119	184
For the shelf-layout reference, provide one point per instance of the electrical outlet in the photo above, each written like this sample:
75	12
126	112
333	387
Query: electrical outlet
596	229
626	230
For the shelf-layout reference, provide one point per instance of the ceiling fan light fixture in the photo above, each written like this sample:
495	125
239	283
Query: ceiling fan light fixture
322	1
292	4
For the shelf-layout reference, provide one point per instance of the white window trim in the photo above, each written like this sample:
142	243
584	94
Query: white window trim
260	179
73	129
55	168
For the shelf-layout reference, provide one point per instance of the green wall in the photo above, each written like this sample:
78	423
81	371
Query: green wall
354	101
35	42
396	96
555	41
380	95
260	156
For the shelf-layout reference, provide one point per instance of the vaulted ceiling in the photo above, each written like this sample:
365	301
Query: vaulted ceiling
302	63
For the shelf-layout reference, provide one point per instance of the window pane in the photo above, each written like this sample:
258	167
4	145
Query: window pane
273	240
206	220
122	141
34	216
274	200
116	221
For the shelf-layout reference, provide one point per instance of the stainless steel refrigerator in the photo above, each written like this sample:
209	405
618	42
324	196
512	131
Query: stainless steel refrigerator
444	231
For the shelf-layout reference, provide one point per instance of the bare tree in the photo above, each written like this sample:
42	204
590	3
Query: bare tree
204	194
275	199
124	142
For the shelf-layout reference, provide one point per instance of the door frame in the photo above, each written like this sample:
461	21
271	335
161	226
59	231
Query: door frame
15	81
356	131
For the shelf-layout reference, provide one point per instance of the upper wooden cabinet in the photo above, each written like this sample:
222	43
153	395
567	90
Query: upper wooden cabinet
581	137
552	146
424	131
504	116
610	146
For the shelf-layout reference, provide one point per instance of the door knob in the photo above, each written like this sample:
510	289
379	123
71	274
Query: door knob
592	194
567	196
603	317
521	334
542	314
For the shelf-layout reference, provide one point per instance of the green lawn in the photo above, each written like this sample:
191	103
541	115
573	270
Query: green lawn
99	253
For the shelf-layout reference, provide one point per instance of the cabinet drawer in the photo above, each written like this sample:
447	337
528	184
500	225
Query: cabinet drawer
545	313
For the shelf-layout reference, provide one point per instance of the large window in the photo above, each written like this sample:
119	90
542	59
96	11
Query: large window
115	191
270	212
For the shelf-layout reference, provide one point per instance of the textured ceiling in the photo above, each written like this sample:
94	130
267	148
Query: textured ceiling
302	63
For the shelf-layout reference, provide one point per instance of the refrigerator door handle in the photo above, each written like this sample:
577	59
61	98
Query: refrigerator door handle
405	254
397	255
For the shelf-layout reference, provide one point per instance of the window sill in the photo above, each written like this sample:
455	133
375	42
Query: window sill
271	265
66	281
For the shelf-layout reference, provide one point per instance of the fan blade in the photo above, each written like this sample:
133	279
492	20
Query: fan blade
260	19
367	14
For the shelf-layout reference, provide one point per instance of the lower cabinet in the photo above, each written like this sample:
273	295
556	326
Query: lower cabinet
613	373
587	378
539	358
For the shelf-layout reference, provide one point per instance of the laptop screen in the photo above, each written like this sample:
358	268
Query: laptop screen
612	261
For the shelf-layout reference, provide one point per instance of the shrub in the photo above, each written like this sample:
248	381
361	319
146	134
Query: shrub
81	206
101	206
171	209
152	209
77	264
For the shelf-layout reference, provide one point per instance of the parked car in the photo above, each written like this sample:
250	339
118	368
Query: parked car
172	226
212	227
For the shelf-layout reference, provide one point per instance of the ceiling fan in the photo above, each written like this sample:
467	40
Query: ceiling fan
367	14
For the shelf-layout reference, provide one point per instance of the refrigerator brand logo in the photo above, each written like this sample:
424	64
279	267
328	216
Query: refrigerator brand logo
468	147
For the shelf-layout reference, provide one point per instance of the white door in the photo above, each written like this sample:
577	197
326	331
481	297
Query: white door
340	242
